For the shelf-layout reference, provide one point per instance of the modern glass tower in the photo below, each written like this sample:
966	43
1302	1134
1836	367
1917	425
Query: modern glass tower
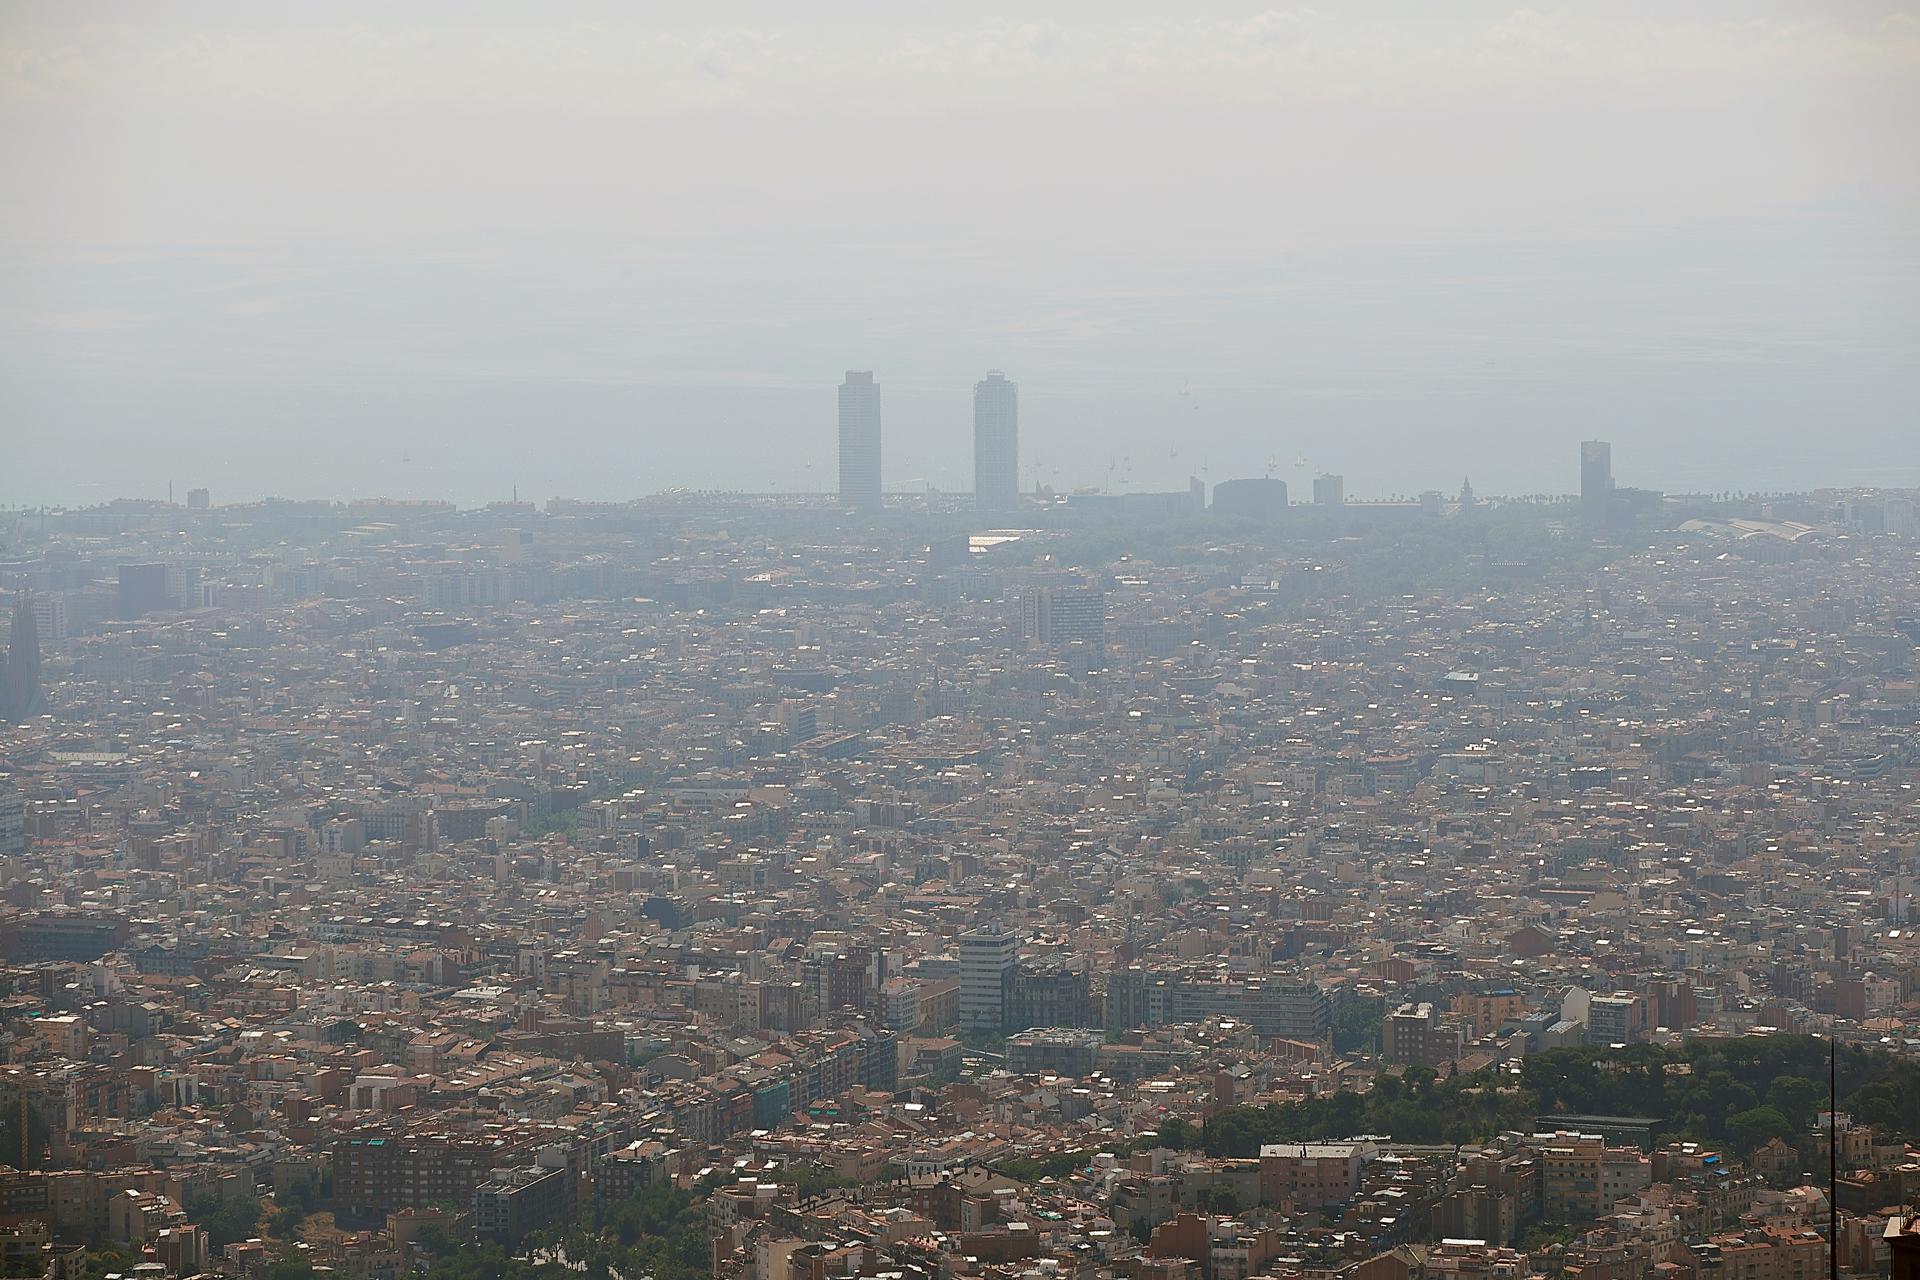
996	443
1596	479
21	692
860	441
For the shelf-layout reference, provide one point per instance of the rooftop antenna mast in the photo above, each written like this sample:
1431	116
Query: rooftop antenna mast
1833	1157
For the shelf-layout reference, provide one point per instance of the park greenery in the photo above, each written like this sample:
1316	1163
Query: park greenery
1417	1106
656	1232
299	1201
224	1219
1739	1092
1736	1093
1357	1024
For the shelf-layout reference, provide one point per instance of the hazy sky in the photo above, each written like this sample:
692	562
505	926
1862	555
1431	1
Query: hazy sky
440	249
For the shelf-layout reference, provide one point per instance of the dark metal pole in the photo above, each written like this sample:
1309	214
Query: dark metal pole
1833	1155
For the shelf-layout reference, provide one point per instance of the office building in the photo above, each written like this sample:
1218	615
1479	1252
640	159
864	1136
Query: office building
1056	993
22	693
13	820
199	500
996	443
1329	490
1616	1019
143	590
513	1202
899	1004
1414	1034
860	441
1582	1177
50	619
1049	1050
988	960
643	1164
1312	1174
1259	498
1596	479
380	1172
1053	617
1141	997
69	937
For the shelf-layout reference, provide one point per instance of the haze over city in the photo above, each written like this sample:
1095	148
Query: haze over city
599	251
873	641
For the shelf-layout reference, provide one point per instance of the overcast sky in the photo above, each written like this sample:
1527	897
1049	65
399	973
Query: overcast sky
443	249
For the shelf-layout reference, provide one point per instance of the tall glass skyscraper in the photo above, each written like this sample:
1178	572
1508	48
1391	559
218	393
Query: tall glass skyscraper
860	441
21	692
996	443
1596	479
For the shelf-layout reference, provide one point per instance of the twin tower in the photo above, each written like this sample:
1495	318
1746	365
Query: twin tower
996	442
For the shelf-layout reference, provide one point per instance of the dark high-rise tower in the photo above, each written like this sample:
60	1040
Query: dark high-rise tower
1596	479
20	692
996	443
860	441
